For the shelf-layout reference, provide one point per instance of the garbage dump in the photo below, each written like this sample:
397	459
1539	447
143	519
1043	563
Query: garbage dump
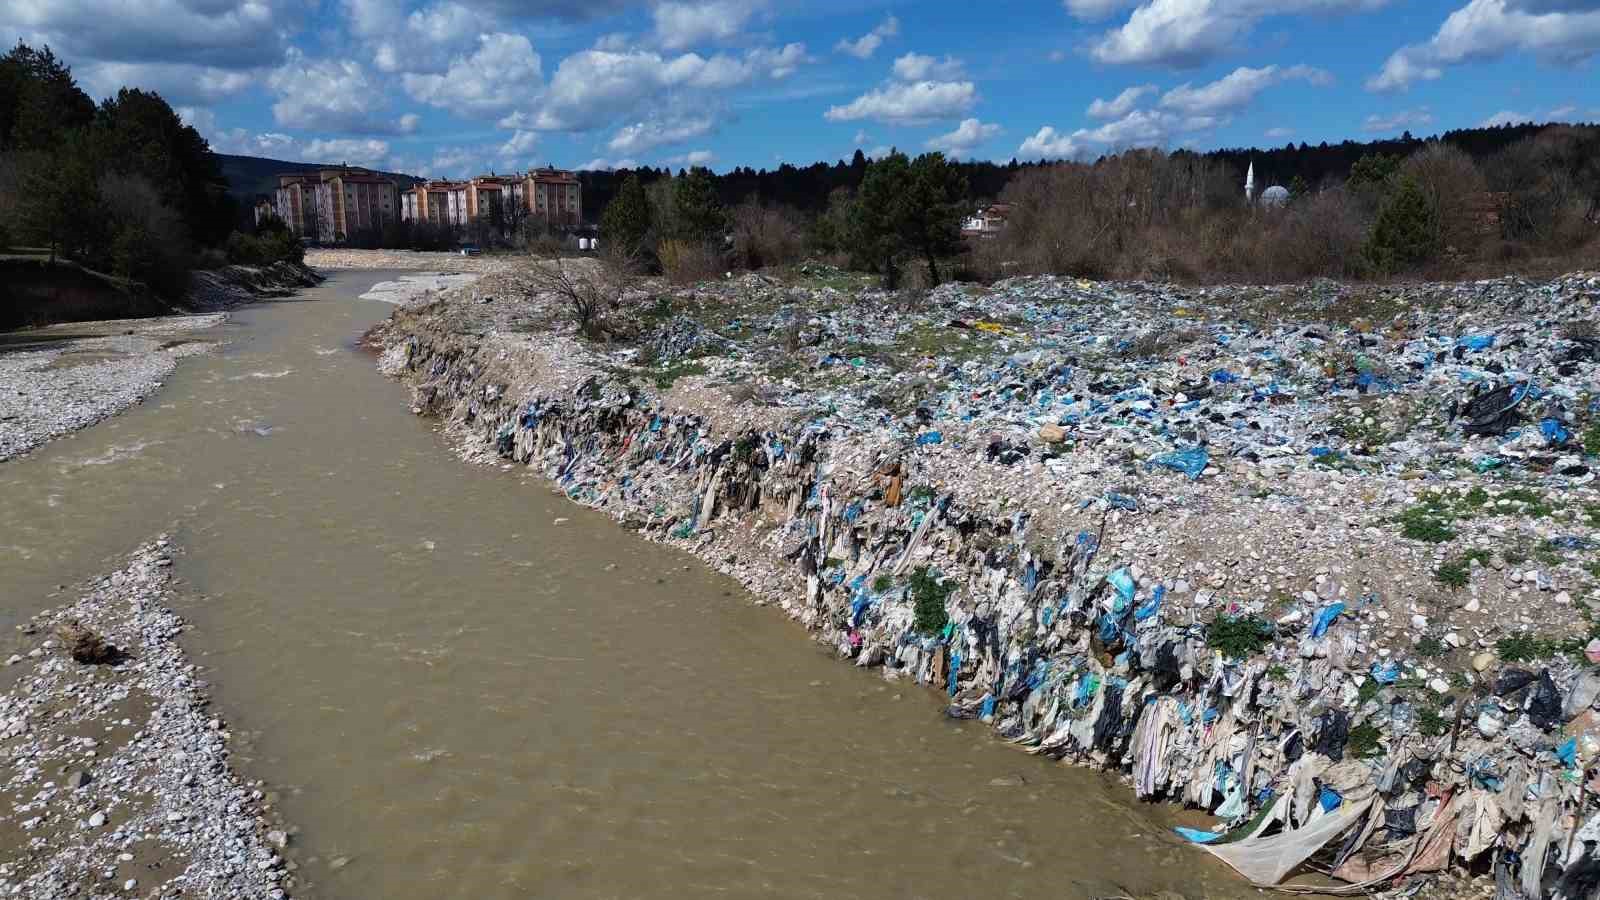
1316	559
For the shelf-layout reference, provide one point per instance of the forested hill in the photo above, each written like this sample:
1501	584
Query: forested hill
249	176
806	188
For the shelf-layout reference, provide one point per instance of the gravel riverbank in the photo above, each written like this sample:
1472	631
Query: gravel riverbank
1316	559
117	779
60	378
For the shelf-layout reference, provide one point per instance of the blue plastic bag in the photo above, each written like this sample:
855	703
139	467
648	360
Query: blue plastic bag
1122	581
1476	342
1325	617
1196	836
1190	462
1553	431
929	437
1153	606
1386	673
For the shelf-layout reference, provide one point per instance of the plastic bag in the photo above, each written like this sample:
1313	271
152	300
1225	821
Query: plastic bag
1190	462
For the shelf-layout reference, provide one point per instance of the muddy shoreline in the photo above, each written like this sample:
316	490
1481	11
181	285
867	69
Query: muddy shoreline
119	779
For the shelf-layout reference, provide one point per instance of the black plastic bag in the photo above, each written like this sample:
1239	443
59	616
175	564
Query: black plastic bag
1511	681
1333	732
1495	412
1544	703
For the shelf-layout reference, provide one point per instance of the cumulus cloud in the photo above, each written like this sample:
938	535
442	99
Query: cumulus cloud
593	87
276	145
1095	10
1402	120
863	47
500	75
917	67
1279	132
1121	104
680	25
179	83
1139	128
520	144
965	138
1558	31
909	103
1186	33
1236	90
1506	117
199	32
451	162
419	40
601	164
368	152
1047	143
409	123
328	95
642	136
693	158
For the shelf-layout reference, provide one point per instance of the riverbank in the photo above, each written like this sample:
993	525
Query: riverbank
1258	550
119	781
60	378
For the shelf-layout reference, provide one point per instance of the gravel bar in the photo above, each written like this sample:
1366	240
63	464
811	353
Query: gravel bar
117	780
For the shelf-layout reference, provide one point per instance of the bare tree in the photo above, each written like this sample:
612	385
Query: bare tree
587	287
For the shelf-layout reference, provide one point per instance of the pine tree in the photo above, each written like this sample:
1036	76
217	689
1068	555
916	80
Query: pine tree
874	231
1406	232
700	216
626	221
930	211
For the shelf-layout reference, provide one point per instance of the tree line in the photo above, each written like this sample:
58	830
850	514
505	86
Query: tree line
122	186
1404	207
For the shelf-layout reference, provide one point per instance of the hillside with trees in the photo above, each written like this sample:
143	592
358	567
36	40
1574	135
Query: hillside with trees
121	187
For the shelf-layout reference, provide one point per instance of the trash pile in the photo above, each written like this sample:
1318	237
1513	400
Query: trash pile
1314	559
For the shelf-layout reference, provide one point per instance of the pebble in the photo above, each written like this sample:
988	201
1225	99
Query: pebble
1482	662
96	820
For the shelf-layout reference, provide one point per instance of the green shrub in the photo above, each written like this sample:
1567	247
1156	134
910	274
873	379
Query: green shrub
1452	574
1431	646
1238	637
1364	741
930	596
1406	233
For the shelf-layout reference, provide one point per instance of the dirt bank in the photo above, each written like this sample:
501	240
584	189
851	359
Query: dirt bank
119	782
35	292
1344	627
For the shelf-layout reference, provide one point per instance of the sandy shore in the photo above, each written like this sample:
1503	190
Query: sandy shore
65	377
118	780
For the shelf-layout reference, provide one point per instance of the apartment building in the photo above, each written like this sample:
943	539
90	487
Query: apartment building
552	194
334	203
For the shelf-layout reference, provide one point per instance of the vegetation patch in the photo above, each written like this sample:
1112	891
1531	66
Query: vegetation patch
1364	741
929	594
1238	637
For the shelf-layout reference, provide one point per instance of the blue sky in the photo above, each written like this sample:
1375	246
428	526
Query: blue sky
457	87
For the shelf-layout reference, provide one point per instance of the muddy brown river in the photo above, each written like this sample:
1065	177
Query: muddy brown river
466	687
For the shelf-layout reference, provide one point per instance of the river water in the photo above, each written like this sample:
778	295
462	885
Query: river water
467	687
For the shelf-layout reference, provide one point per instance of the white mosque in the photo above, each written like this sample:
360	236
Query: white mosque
1276	195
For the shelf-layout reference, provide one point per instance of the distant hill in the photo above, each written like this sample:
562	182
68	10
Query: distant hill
249	176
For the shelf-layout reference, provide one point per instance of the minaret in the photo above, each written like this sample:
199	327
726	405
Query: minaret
1250	183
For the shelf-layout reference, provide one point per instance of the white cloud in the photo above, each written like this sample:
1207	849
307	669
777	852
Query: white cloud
1183	33
451	162
1095	10
176	82
693	158
272	145
602	164
860	138
878	152
917	67
1047	143
1559	32
1236	90
1279	132
1057	56
328	95
642	136
1506	117
409	123
593	87
1139	128
685	24
368	152
502	74
1561	113
230	35
868	44
965	138
1399	121
1120	105
520	144
915	103
420	40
